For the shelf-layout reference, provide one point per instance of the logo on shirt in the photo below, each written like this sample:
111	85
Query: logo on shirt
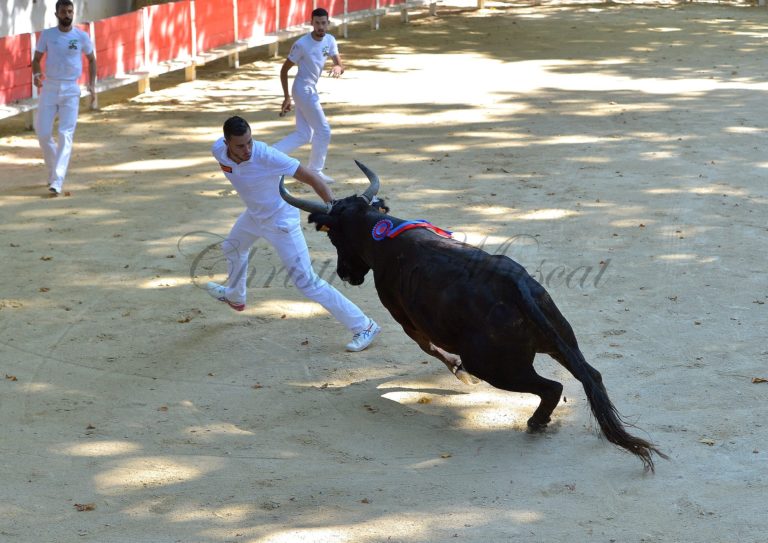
73	44
326	50
227	169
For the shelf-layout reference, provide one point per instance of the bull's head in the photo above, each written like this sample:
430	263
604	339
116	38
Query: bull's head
347	222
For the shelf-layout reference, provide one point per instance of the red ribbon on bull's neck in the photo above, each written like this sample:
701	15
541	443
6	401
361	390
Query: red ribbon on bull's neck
386	229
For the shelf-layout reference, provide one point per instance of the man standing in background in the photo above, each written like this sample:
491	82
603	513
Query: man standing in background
310	53
64	46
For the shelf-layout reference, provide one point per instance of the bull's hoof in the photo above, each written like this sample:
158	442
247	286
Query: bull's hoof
466	377
536	426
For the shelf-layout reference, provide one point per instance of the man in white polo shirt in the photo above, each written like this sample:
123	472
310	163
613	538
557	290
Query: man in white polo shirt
64	46
254	169
310	53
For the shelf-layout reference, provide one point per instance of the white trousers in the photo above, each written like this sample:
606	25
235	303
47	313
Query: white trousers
283	232
60	98
311	126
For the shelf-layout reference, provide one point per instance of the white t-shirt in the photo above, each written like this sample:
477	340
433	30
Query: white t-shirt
64	52
310	56
257	180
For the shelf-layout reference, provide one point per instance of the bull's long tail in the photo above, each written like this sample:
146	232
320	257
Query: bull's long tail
604	411
606	414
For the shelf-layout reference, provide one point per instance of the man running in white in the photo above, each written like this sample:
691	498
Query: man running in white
65	46
310	53
254	169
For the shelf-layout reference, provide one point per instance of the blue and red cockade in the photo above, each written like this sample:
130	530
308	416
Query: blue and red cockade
386	229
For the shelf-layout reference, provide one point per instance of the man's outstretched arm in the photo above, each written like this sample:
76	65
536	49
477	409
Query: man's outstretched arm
313	180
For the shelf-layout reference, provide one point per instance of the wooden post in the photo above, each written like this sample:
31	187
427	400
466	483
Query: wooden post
234	58
190	71
404	14
144	85
376	20
433	9
480	4
92	34
273	47
345	25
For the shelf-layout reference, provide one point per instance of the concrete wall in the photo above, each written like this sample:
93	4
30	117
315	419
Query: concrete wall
21	16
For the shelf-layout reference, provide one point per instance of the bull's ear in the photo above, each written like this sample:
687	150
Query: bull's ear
379	205
323	221
383	207
323	227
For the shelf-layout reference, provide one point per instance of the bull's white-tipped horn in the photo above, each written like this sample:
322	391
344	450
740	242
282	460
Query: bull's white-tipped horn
306	205
373	189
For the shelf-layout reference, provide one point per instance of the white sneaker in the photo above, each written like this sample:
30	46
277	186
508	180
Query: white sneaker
327	180
364	338
218	291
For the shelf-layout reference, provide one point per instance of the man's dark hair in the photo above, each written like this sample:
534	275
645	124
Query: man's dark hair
319	12
60	3
235	126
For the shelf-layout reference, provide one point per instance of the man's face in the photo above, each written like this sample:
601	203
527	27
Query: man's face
240	147
65	15
319	26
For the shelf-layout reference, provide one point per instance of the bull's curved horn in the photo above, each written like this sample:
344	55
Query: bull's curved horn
373	189
306	205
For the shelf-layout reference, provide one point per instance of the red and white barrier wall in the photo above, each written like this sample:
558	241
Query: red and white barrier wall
178	33
15	62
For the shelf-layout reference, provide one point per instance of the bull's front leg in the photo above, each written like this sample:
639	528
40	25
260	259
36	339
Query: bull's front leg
452	361
454	364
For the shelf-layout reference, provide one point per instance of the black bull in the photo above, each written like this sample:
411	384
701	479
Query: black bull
482	315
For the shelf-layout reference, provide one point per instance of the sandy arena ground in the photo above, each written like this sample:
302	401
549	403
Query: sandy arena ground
618	152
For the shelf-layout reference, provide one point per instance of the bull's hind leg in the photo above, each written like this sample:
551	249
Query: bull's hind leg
508	374
550	393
